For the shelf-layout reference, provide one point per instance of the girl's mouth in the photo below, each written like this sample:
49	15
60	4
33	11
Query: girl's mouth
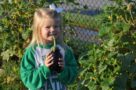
52	33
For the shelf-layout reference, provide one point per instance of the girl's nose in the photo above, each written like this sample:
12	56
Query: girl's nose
52	29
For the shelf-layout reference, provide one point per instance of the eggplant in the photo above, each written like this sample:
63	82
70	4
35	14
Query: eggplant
56	56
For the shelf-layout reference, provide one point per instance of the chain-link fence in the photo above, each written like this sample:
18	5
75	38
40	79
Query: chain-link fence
80	18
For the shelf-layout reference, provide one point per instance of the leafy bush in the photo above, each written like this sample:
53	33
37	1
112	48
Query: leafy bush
111	65
9	76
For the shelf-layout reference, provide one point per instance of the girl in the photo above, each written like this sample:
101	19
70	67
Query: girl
36	71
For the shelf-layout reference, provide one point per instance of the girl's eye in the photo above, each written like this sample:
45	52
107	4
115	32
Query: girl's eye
47	27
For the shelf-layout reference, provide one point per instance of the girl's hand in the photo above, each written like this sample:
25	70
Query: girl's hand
49	60
61	63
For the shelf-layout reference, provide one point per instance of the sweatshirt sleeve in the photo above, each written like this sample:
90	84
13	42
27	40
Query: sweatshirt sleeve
69	74
31	76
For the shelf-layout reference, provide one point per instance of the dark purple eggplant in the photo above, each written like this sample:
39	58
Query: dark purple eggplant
56	56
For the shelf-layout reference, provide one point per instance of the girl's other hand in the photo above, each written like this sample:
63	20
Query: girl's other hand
49	60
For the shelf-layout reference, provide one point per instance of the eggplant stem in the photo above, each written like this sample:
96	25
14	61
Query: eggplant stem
54	44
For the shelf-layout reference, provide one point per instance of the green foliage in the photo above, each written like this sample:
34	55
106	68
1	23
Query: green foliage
9	76
112	63
100	68
15	27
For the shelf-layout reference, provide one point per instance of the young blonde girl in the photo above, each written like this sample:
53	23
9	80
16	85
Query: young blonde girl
35	69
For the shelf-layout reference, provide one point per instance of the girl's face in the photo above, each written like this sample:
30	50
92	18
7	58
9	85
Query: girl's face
50	26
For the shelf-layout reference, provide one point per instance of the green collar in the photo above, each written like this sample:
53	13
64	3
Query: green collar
47	46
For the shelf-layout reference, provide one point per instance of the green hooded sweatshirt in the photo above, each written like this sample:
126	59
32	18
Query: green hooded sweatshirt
36	76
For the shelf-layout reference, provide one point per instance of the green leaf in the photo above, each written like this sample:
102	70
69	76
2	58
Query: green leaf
7	54
101	68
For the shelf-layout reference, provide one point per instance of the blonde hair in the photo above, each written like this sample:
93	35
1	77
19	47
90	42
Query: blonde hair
39	16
